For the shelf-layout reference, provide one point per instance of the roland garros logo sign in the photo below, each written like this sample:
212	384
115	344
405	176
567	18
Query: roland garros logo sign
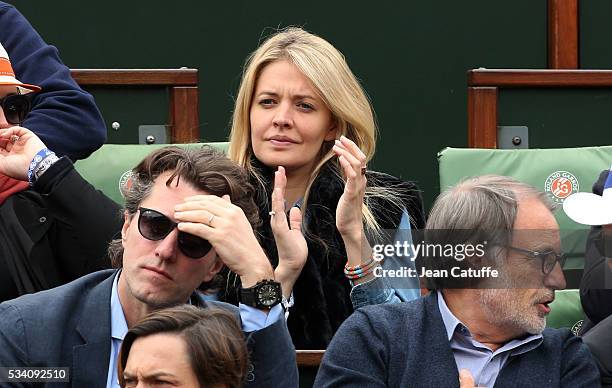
560	185
125	183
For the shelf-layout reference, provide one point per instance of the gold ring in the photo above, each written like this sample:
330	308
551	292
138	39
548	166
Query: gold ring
210	220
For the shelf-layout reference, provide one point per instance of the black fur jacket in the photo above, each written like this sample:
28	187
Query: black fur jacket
321	292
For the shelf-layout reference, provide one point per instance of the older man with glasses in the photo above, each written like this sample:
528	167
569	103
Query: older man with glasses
468	332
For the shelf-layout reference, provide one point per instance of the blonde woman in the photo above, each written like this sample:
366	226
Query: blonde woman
303	124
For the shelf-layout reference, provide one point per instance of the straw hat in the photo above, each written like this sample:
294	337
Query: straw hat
7	75
591	209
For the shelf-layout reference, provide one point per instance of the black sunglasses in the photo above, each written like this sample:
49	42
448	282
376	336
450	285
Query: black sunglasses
549	258
15	107
155	226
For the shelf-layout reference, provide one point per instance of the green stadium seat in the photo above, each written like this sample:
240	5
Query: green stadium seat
105	167
566	310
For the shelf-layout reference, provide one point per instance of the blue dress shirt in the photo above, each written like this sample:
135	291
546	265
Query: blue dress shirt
482	362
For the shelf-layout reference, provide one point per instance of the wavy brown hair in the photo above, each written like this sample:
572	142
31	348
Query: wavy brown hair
205	168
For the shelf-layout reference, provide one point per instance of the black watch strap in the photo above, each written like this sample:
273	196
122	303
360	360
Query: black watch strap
264	294
247	296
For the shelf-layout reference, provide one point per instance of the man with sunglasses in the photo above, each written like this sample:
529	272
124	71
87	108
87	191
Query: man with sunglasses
469	332
188	212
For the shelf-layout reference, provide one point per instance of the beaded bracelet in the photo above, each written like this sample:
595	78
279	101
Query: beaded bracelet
355	267
353	277
358	276
360	271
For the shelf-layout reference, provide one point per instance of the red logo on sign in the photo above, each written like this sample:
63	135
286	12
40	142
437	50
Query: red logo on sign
560	184
561	187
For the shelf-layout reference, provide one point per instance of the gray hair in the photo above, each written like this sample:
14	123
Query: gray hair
478	209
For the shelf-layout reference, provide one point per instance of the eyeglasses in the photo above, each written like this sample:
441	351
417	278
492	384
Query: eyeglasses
549	258
16	107
155	226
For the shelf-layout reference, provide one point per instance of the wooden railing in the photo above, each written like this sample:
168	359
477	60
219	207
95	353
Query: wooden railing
183	116
563	46
309	357
484	85
563	58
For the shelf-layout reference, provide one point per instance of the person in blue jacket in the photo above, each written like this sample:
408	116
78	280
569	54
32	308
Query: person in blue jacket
63	115
37	92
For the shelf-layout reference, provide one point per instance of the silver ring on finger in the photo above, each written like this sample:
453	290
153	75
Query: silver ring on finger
210	220
272	213
363	170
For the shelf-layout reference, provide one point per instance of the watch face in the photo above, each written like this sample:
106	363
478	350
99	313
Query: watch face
268	295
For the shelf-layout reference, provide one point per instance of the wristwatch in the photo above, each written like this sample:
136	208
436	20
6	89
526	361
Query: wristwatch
263	295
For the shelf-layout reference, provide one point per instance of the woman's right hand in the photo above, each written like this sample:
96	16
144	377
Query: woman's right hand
349	219
290	242
18	146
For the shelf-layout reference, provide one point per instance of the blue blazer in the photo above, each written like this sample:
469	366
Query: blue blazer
406	345
69	326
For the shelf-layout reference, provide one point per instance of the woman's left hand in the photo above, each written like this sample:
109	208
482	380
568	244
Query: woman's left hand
290	242
349	219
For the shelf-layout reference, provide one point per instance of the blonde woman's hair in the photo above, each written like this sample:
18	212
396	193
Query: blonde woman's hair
335	84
